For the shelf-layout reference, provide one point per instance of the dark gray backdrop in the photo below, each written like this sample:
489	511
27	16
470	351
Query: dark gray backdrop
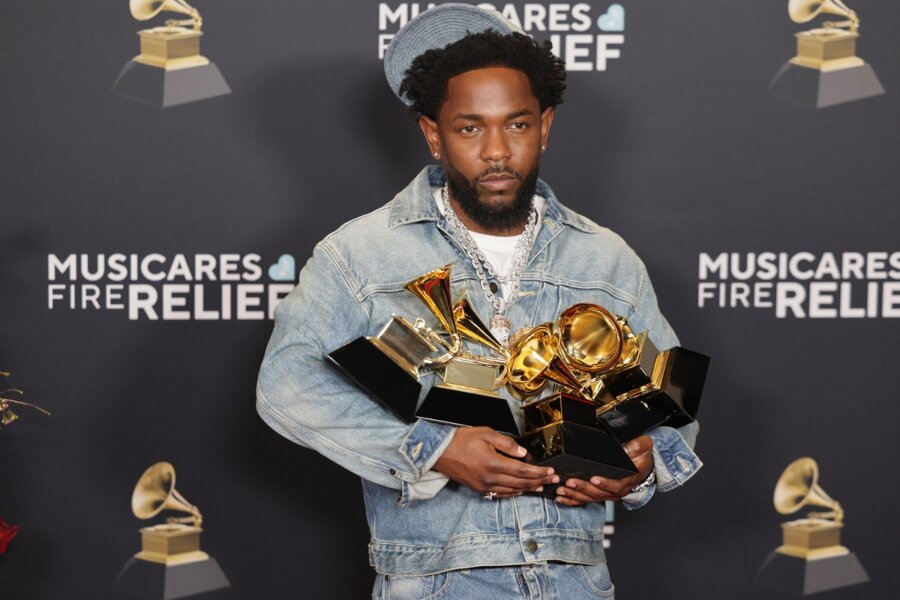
676	146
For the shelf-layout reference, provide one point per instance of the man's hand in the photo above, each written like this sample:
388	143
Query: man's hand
577	492
478	457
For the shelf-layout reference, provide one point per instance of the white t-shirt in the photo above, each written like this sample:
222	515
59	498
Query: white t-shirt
498	249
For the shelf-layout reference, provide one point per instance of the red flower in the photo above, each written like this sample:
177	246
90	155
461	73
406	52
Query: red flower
7	533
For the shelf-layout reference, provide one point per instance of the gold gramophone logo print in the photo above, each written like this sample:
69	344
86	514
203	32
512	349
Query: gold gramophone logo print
811	558
169	69
826	70
170	563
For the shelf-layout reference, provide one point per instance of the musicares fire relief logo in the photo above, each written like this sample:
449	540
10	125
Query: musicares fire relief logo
827	285
200	287
586	37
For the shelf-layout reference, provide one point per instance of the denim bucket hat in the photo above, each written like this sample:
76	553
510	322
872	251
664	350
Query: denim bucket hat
436	28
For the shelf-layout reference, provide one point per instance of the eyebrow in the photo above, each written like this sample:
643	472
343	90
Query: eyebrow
478	118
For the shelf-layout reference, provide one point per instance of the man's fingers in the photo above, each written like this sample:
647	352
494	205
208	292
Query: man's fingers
502	491
614	487
517	483
507	445
584	491
569	501
502	465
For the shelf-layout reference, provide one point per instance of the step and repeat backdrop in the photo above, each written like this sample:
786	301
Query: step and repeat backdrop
161	186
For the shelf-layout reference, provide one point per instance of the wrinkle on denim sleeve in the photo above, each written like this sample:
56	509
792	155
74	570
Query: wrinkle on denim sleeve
307	401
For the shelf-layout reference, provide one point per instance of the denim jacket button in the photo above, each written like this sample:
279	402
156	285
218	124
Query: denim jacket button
393	471
532	546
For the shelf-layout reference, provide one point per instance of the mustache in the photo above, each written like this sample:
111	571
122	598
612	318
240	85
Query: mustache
497	170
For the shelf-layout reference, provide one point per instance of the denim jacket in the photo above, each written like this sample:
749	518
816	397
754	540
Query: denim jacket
421	523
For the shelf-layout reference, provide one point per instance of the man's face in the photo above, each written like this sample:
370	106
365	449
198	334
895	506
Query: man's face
489	132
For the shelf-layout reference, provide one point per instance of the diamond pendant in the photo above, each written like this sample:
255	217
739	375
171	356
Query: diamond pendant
501	328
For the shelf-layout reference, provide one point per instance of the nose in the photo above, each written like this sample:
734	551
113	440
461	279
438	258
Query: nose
496	147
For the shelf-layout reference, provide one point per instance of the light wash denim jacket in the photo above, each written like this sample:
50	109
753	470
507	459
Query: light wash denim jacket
419	522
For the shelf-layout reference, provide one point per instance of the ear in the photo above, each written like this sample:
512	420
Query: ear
432	135
546	122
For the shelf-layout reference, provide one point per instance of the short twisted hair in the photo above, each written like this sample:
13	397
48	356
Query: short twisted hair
426	79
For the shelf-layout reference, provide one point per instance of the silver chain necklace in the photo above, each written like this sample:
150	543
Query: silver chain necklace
500	325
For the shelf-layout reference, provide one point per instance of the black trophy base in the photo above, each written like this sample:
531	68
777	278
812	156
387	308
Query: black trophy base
156	86
684	386
804	577
818	89
470	409
577	451
634	418
156	581
379	376
675	403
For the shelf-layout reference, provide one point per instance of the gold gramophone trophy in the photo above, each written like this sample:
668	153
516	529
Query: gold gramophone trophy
826	70
613	386
467	393
170	69
811	558
388	365
170	563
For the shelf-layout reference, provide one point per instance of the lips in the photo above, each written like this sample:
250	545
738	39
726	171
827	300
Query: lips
498	182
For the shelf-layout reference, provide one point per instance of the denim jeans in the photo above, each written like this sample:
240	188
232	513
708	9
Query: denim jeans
540	581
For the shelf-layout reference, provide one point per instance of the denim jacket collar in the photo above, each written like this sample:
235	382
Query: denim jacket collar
414	203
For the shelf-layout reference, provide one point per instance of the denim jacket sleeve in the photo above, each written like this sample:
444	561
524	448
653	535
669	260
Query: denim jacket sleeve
674	459
310	403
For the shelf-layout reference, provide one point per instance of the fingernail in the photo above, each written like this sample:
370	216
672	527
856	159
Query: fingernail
539	488
595	480
550	471
521	451
555	479
570	483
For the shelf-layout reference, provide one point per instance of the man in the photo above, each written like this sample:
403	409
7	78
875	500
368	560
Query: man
451	510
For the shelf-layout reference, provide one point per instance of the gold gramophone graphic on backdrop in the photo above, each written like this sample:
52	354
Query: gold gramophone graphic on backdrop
170	563
826	70
170	69
811	558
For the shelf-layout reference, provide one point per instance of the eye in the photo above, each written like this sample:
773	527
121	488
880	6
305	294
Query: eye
519	125
469	130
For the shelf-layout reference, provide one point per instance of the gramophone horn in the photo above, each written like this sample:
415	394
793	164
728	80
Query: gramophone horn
798	487
155	492
590	337
471	327
534	358
802	11
144	10
434	290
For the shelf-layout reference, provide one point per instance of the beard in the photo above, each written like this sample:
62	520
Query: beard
493	217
